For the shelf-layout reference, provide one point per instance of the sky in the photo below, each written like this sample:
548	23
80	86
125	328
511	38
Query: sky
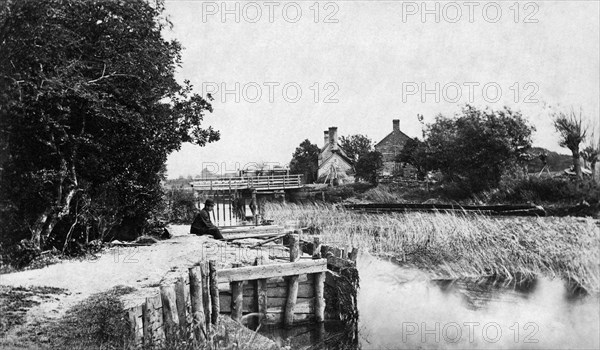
281	72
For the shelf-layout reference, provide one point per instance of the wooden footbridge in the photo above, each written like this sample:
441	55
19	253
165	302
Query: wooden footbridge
258	183
234	197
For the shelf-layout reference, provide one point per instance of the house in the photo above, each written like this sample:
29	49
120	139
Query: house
390	146
333	162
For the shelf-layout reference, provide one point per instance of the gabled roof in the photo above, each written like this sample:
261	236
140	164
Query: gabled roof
396	137
341	154
327	153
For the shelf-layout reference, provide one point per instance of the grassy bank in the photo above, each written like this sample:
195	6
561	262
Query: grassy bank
455	245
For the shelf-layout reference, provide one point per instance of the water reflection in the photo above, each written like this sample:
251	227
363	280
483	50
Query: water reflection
403	308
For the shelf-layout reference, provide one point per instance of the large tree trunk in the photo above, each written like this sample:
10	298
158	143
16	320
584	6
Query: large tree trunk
577	164
593	165
38	227
46	221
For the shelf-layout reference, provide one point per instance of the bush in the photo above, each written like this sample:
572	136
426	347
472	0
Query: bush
545	190
182	206
97	322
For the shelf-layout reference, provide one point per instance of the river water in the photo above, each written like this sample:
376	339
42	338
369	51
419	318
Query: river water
402	308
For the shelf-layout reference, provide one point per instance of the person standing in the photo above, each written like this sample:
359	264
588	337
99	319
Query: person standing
202	224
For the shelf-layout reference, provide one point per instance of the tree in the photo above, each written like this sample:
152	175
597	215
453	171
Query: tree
572	134
415	153
590	155
90	110
355	146
476	147
369	166
305	160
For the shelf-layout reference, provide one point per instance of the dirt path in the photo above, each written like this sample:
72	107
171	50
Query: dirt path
141	267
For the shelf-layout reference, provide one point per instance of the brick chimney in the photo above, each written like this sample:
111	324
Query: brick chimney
396	125
326	138
333	137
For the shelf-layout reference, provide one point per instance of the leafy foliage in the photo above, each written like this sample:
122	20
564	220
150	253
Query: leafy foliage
475	148
182	206
415	153
369	166
305	160
90	111
356	146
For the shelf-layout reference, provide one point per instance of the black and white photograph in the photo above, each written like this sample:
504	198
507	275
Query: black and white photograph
299	174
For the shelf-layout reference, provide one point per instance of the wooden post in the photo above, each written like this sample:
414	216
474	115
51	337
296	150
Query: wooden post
231	199
135	316
353	254
216	199
290	304
198	320
237	298
294	248
292	284
316	248
206	300
169	308
255	212
319	282
181	295
261	294
214	291
153	321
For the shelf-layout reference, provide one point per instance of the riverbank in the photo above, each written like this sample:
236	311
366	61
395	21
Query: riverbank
137	269
455	246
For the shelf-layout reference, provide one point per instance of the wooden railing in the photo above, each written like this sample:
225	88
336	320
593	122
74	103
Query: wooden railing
274	182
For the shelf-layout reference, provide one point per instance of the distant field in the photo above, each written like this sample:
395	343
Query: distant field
454	245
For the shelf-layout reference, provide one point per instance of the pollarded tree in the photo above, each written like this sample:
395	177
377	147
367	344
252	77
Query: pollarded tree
90	110
305	160
572	134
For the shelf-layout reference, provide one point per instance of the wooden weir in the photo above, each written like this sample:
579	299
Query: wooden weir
282	293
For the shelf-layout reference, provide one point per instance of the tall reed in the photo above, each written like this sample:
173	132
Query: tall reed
461	245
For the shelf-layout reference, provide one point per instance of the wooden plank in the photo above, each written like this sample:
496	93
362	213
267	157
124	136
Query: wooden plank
275	282
198	319
237	297
277	318
214	292
267	241
276	290
303	305
136	319
319	286
169	310
273	270
181	298
290	305
230	237
206	299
